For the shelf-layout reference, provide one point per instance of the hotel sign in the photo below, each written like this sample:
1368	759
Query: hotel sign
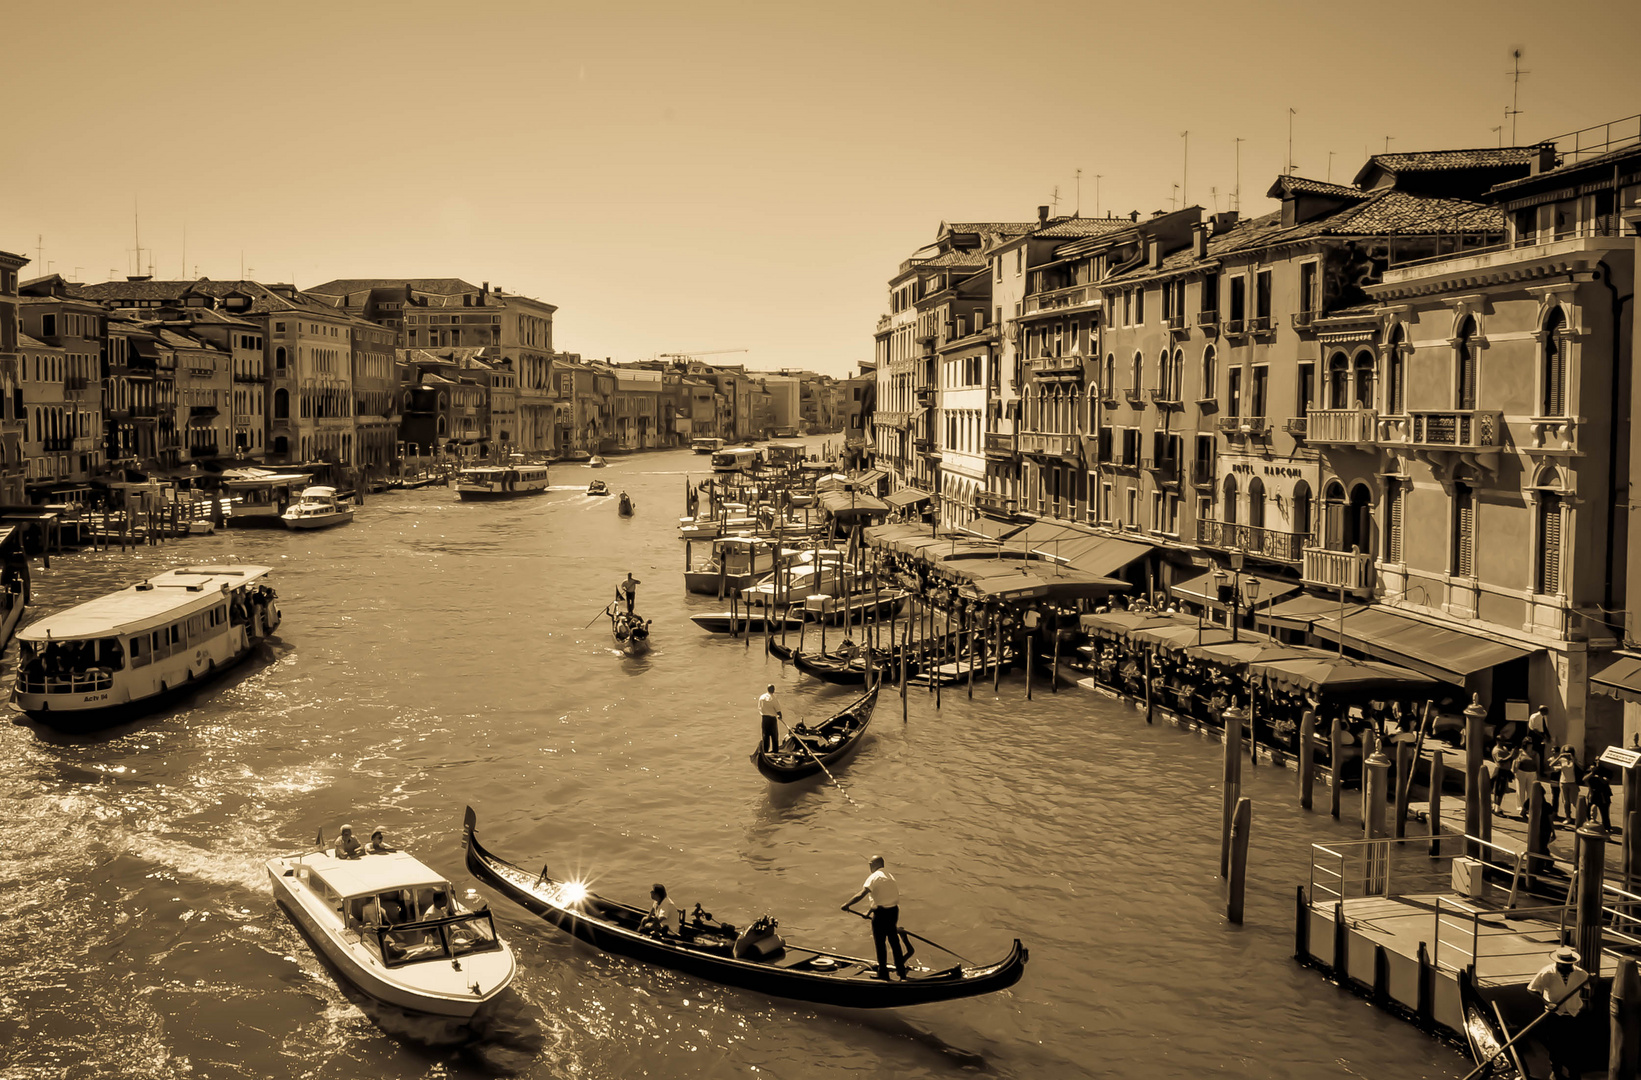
1247	468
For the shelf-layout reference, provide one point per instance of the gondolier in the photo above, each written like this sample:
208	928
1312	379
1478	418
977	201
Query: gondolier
769	707
628	591
1560	984
885	914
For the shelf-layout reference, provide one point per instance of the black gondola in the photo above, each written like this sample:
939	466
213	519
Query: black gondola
624	506
779	651
1485	1032
707	949
829	742
835	669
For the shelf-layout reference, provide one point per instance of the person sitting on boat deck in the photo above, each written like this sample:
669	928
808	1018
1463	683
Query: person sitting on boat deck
1562	978
628	591
377	845
347	847
884	912
664	916
769	707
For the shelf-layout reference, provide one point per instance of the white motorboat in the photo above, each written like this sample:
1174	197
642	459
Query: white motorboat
500	481
318	508
394	928
100	661
595	462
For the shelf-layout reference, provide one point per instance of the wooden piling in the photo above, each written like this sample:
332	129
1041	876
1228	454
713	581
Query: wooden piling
1336	783
1404	785
1241	823
974	632
1031	641
1376	782
1592	868
1054	682
1476	801
1438	771
1231	778
1150	705
905	648
1307	759
1538	847
1624	1009
1484	828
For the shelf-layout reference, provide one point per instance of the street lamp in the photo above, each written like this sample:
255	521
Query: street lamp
1234	588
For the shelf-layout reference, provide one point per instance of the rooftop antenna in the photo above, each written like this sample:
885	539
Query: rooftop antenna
1097	177
1239	143
1055	199
184	270
1185	167
1330	166
39	250
1079	210
1387	143
1515	91
77	270
1499	131
1173	200
1213	193
1291	112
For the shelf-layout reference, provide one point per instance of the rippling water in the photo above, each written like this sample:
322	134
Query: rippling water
433	655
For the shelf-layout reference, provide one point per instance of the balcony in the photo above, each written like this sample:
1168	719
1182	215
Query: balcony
1050	444
1297	426
1259	324
1000	447
1235	328
923	446
203	450
1208	320
1202	474
1346	427
1166	397
925	395
1175	323
1471	431
1072	296
1303	320
1047	365
1273	544
1135	396
1164	470
74	384
994	502
1349	570
144	412
57	443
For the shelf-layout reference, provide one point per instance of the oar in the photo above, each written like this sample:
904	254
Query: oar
1511	1041
604	613
908	934
816	759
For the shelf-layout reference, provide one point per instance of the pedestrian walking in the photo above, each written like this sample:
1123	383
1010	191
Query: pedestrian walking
1601	796
1538	733
1525	766
1501	775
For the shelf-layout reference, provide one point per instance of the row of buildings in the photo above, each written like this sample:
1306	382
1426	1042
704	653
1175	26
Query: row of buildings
1405	403
129	379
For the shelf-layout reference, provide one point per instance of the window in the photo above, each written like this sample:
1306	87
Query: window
1547	575
1133	508
1256	503
1239	298
48	326
1307	288
1210	293
1208	373
1464	360
1307	389
1301	517
1526	224
1108	379
1137	375
1464	530
279	358
1393	521
1261	374
1227	507
1395	375
1363	379
1139	306
1233	392
282	404
999	261
1262	295
1554	366
1338	381
1202	468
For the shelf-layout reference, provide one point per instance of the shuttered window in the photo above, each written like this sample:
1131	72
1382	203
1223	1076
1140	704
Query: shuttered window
1466	363
1549	545
1555	368
1393	523
1464	531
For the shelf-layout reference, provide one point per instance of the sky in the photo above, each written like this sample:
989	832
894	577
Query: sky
692	177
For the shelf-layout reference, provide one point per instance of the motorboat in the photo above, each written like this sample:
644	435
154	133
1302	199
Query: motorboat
394	928
596	462
598	487
706	445
103	660
318	508
737	562
500	481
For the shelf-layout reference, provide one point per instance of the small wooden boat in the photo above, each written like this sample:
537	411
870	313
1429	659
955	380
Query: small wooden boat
850	671
598	487
318	508
779	651
624	506
595	462
361	915
1485	1032
803	753
833	610
725	622
708	948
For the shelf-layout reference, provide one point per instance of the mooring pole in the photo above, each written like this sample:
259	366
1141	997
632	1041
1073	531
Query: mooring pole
1307	759
1241	823
1438	771
1624	1044
1231	778
1592	868
1404	785
1031	642
1336	787
1475	756
1376	776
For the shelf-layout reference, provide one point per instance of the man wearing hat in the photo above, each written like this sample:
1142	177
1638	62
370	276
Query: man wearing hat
1564	986
346	846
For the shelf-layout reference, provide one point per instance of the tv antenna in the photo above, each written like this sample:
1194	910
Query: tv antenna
1330	165
1515	74
1239	143
1055	199
1097	178
1079	211
1291	112
1184	167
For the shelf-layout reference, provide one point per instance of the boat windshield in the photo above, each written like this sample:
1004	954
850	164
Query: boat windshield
436	939
68	666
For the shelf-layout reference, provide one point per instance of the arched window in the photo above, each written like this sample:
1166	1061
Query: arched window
1137	376
1547	564
1301	516
282	404
1359	519
1256	503
444	401
1464	363
1555	366
1108	380
279	358
1208	372
1162	372
1464	529
1176	376
1228	506
1395	374
1338	381
1363	377
1333	517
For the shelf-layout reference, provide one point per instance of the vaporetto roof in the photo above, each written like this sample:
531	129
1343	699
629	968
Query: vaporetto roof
155	601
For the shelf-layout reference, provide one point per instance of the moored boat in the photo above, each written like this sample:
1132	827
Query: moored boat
753	959
595	462
737	562
851	670
577	456
318	508
393	928
734	622
108	658
500	481
706	445
807	750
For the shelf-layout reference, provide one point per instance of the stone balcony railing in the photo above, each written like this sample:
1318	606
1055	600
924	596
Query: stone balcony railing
1000	446
993	502
1350	570
1254	539
1165	469
1354	427
1166	397
1055	299
1049	444
1470	430
1044	365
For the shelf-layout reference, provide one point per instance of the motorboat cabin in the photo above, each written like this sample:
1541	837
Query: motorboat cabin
706	445
737	562
394	928
101	660
737	459
257	496
500	481
318	508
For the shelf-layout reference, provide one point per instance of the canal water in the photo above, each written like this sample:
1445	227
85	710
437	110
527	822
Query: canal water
437	654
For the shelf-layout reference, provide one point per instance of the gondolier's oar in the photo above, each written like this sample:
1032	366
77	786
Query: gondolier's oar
816	758
908	934
1531	1024
605	612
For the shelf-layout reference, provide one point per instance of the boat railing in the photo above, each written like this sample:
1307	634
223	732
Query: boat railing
90	681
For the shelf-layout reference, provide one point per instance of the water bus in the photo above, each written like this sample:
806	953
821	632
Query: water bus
786	453
112	657
393	928
736	459
318	508
500	481
706	445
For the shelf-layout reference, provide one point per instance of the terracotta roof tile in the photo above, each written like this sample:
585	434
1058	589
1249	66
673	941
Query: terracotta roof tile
1432	160
1304	185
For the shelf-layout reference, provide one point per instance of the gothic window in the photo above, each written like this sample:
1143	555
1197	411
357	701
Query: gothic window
1555	365
1464	360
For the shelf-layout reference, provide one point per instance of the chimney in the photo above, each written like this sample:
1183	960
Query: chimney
1224	220
1199	240
1133	215
1042	216
485	288
1544	160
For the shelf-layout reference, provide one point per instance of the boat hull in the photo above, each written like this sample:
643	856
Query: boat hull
850	986
851	721
317	521
722	622
475	494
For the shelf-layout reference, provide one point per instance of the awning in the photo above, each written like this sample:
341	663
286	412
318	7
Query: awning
868	479
1336	674
1305	609
1119	624
991	527
1101	554
1438	651
906	496
1620	679
1205	590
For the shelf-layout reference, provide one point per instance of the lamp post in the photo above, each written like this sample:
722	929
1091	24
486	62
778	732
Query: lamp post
1234	588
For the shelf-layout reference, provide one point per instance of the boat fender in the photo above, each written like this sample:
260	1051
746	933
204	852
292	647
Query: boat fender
759	941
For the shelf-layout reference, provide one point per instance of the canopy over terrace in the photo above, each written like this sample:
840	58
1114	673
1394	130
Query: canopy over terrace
850	506
992	571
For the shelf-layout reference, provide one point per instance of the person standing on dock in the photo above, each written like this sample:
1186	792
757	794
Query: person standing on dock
1565	767
1562	978
769	707
885	914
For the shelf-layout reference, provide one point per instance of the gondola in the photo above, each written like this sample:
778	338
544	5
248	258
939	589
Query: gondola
725	622
624	506
1485	1032
707	948
828	742
779	651
835	669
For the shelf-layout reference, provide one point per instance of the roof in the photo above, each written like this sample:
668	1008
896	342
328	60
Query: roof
26	342
264	301
158	599
445	286
1078	227
1304	185
1441	160
373	873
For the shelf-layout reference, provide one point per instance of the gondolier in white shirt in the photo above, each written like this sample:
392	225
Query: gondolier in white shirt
885	914
769	707
627	590
1563	985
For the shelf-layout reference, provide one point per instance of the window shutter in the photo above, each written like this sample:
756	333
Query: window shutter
1549	549
1464	535
1393	539
1555	378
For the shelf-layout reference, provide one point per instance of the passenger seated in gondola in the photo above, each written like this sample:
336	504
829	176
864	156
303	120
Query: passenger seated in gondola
664	917
848	650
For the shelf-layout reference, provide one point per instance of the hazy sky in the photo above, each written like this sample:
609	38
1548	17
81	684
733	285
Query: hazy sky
679	176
